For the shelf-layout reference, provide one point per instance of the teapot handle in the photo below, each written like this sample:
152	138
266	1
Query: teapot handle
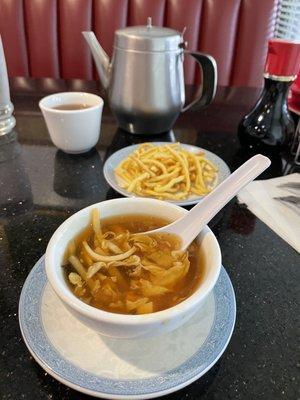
206	91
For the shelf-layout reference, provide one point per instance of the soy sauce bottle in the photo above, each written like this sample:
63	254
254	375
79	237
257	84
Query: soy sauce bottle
269	125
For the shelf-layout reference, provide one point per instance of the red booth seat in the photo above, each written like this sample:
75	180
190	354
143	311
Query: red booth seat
42	38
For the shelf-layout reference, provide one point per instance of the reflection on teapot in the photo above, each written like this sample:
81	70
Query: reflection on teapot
121	139
144	80
78	176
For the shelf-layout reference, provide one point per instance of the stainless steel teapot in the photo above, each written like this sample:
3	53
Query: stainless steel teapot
144	79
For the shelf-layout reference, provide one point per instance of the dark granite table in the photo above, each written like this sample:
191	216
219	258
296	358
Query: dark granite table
41	186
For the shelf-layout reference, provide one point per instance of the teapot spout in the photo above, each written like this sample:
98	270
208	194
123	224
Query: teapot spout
100	57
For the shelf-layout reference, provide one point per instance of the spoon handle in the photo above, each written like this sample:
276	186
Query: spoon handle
190	225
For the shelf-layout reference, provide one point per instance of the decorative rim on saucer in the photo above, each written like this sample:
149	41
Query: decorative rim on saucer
55	364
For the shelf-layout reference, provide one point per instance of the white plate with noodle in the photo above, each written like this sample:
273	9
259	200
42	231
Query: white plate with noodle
216	169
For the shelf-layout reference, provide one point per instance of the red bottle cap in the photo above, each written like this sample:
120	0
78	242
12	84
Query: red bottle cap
283	58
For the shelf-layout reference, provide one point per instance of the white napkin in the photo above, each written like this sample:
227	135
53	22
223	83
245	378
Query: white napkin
282	217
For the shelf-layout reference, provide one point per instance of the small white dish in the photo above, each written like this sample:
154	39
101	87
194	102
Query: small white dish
122	325
123	369
114	160
73	131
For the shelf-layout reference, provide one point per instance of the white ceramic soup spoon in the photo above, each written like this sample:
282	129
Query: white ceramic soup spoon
188	227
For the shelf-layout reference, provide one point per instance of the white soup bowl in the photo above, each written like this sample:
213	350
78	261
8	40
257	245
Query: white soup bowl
121	325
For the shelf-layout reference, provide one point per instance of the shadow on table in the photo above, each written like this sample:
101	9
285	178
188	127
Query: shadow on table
78	176
123	139
281	161
112	194
198	388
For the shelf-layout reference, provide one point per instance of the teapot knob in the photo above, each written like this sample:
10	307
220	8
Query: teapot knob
149	22
183	45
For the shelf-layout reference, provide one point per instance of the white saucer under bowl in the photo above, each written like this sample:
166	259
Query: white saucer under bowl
116	368
114	160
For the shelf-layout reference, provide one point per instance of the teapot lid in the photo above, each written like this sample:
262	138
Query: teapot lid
148	38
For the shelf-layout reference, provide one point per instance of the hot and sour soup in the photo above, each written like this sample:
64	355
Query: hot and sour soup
112	265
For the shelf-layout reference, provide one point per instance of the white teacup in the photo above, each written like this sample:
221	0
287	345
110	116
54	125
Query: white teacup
77	130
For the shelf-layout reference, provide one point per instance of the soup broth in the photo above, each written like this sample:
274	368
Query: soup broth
155	274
